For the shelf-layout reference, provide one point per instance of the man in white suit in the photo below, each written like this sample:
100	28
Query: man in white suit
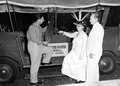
94	48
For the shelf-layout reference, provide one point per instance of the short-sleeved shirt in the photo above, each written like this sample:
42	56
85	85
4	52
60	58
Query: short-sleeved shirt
35	33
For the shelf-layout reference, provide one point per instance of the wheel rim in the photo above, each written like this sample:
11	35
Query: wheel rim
5	72
106	64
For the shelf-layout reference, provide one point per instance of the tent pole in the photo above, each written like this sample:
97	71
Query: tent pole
55	29
48	14
15	17
10	16
55	17
97	7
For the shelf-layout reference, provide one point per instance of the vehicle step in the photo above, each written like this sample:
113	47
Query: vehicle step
54	64
27	76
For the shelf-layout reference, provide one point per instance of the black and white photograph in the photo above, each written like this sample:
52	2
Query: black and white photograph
59	42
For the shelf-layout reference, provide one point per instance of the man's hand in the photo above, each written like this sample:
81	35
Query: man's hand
46	26
48	22
91	55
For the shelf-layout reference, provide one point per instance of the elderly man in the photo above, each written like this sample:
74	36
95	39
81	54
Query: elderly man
94	48
36	47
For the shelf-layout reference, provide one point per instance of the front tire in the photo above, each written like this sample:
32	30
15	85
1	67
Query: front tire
107	63
8	70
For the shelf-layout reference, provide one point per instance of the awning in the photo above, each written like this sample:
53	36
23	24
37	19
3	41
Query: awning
64	3
55	3
110	2
37	6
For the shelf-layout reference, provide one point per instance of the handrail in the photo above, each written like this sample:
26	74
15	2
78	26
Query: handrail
19	49
10	15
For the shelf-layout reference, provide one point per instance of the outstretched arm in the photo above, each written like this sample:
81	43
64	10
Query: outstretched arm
71	35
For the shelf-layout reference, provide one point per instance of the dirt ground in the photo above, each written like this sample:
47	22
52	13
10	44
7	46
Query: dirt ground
50	77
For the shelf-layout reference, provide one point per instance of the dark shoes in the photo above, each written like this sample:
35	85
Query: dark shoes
80	82
36	84
46	63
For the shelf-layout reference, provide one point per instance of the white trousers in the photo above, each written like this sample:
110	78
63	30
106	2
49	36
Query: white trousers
36	52
93	69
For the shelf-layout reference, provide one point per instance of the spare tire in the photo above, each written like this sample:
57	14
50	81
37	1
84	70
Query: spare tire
107	63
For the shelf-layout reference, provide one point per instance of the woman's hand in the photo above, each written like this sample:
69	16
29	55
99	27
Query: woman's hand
45	43
60	31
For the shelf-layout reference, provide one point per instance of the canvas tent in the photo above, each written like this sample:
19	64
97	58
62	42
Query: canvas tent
63	3
34	6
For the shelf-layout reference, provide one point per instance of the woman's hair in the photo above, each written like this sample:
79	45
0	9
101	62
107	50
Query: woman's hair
80	23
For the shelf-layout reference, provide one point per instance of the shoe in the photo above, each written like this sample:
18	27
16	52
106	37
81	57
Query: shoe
46	63
35	84
80	82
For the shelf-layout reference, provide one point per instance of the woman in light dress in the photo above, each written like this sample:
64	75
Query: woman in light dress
74	63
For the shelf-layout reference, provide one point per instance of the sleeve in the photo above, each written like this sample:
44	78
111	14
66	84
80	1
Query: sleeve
71	35
98	40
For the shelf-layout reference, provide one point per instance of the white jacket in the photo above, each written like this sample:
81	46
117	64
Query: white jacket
95	40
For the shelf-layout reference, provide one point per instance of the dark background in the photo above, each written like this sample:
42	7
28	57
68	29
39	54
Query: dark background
21	21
